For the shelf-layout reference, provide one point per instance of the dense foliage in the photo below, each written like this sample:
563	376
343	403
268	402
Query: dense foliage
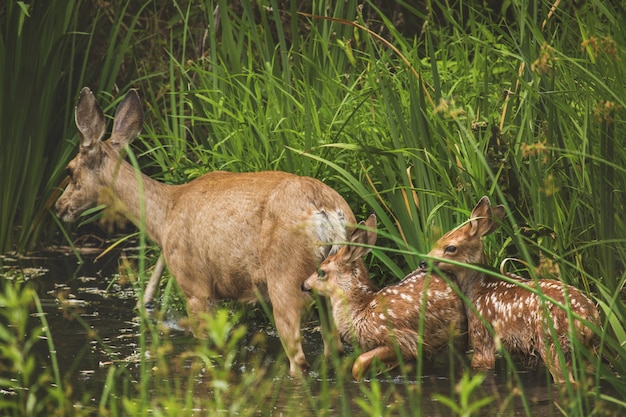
409	112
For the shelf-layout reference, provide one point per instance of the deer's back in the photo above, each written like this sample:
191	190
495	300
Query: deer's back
420	307
232	232
520	316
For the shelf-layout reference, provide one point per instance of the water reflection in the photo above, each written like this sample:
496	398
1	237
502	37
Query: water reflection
94	327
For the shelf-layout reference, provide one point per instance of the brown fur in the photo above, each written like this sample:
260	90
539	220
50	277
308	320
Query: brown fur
386	321
224	235
521	321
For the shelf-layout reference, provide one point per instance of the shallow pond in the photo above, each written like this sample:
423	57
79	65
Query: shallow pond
95	326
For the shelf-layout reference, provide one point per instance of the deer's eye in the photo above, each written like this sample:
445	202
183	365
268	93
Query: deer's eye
321	274
449	249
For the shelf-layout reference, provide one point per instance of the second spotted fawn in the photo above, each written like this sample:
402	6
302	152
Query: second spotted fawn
523	321
421	308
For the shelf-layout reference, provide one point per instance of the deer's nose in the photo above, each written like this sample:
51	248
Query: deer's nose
423	265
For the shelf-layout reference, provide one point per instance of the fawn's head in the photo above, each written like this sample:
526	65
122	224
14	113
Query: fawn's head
343	270
87	173
464	244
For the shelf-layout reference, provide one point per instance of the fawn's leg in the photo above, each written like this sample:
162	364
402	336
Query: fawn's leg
330	334
550	355
483	344
385	354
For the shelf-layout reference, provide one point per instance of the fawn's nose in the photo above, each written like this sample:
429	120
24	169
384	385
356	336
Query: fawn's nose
304	288
423	265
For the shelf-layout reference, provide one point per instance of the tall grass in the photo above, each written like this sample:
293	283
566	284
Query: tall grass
525	105
27	389
33	51
526	108
48	51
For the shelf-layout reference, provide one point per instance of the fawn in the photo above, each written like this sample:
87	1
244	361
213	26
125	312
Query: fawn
522	321
223	235
421	308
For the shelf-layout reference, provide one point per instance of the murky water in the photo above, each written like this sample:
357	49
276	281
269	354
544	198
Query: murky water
101	306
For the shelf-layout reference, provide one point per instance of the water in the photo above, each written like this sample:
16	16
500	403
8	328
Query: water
95	326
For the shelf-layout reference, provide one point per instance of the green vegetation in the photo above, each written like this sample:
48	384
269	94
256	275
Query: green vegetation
525	104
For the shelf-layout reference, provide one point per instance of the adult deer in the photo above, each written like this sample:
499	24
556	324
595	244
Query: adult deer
392	322
224	235
527	316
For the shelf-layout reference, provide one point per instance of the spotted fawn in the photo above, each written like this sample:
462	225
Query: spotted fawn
421	308
523	321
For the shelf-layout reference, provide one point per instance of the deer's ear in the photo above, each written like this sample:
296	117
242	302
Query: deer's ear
89	118
128	119
370	224
481	220
364	235
497	215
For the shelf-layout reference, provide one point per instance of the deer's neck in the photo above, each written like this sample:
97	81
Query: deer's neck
350	305
470	282
144	201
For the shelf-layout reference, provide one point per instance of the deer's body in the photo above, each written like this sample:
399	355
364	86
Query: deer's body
421	308
224	235
522	321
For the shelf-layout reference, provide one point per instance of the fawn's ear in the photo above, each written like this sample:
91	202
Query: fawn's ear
89	119
128	119
498	213
370	223
364	235
482	221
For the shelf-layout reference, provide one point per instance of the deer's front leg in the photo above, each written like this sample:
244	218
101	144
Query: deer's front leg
153	283
483	344
330	334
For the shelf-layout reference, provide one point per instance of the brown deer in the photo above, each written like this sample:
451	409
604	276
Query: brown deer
421	308
224	235
525	316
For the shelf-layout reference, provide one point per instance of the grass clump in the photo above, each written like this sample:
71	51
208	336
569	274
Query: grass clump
27	389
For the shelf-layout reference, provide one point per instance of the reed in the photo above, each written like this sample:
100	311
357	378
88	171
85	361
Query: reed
524	104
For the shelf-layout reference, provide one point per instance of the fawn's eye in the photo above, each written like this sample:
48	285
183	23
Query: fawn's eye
449	249
321	274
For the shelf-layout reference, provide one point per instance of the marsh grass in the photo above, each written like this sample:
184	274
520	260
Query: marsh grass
47	54
524	109
27	389
525	105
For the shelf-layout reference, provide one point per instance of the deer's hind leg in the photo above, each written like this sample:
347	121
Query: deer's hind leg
385	354
288	303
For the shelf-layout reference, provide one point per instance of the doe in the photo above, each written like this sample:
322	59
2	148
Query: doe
223	235
393	321
528	316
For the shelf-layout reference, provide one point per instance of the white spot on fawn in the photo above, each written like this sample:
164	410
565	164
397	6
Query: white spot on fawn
406	297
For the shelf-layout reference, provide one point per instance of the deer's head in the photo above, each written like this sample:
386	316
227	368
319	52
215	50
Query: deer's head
94	166
465	244
344	270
